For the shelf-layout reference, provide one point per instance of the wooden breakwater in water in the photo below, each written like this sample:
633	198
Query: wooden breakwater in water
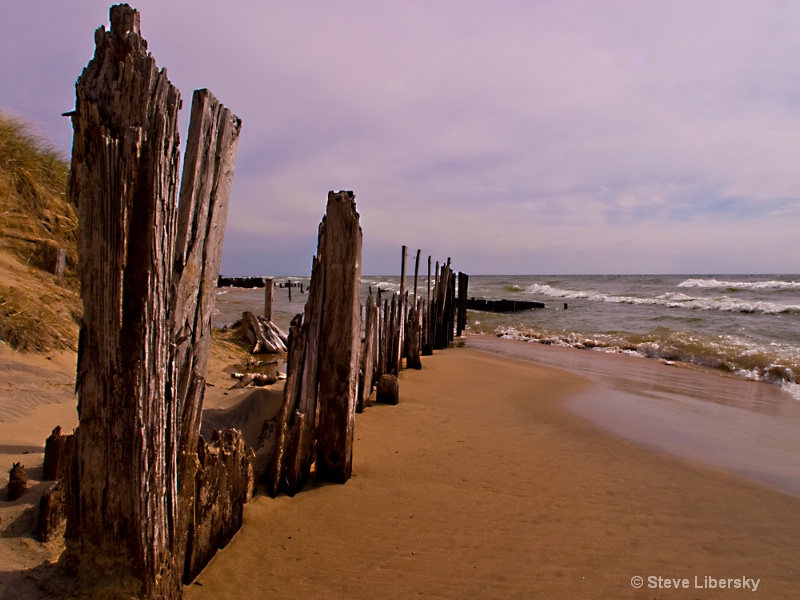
241	282
502	306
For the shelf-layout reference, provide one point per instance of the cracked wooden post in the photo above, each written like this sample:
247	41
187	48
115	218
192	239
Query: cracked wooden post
269	296
341	336
208	167
122	497
318	414
148	273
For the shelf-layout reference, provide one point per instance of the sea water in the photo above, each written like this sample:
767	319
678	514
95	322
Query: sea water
747	325
744	325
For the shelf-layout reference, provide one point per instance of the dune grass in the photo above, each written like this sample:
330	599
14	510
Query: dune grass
37	310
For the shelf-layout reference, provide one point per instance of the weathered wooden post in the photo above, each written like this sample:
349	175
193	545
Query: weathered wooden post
461	321
341	334
317	418
414	322
427	342
122	500
401	321
368	359
269	295
148	298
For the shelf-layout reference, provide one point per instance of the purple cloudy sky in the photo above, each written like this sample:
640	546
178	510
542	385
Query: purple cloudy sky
517	136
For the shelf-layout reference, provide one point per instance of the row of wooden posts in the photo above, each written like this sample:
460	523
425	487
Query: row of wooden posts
145	499
330	373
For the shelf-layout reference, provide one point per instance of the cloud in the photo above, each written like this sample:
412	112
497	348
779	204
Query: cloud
539	136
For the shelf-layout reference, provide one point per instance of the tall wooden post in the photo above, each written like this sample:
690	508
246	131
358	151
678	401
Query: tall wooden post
211	146
461	319
269	295
427	341
122	501
341	337
416	274
148	274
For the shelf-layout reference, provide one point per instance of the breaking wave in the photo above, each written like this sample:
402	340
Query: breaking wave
672	300
740	285
777	363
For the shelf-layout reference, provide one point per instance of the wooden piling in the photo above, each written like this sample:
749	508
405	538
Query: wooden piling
269	296
461	320
368	358
148	272
427	344
341	334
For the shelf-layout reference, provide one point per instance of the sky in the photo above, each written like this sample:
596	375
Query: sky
515	136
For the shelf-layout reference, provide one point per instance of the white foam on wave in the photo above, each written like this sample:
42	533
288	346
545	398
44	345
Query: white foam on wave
777	364
740	285
670	300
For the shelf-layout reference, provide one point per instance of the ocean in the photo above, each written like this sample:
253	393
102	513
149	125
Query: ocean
744	325
728	332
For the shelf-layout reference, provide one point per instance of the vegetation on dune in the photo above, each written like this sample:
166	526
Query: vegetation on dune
38	311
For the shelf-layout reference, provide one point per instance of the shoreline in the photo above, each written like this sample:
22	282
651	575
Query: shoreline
747	428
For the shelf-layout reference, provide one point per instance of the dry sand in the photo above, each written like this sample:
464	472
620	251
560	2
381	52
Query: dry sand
36	394
479	484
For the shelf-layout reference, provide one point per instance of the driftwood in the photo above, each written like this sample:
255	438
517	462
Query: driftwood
148	269
17	482
264	335
258	379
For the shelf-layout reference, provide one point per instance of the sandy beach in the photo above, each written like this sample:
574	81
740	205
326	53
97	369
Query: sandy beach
481	483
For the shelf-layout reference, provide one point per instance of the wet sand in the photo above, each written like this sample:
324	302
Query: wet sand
745	427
